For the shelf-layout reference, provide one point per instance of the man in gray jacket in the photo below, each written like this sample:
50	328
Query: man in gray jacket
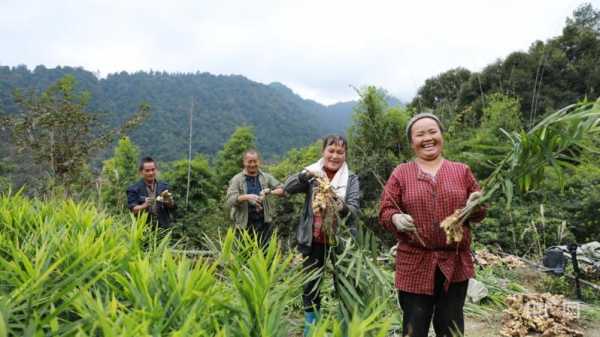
248	197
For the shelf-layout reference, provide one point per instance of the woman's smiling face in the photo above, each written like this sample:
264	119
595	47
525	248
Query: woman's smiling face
426	139
334	156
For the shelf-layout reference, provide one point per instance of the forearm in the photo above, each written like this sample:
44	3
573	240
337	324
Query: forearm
279	191
137	209
295	185
232	198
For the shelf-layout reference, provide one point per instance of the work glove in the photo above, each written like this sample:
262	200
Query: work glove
403	222
340	205
474	199
305	175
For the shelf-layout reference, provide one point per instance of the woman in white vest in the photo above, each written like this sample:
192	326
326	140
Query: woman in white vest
318	223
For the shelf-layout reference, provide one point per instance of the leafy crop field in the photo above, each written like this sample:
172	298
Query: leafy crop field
69	270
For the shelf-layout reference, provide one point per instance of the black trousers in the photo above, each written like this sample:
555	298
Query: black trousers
261	230
314	260
446	308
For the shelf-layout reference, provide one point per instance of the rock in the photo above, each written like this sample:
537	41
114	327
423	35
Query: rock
476	291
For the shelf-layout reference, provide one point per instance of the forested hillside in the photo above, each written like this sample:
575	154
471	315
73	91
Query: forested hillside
281	119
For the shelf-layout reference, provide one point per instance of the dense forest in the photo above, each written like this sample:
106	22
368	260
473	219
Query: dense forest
282	120
528	125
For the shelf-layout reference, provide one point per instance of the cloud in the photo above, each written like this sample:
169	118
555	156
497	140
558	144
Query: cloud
318	48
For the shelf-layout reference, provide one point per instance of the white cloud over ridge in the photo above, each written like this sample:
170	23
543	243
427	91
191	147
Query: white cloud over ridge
318	48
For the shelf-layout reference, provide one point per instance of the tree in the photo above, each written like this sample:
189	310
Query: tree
202	215
441	90
59	132
229	160
585	16
377	144
486	143
375	140
501	112
119	172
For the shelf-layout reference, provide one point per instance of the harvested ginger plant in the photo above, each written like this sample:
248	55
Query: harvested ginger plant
488	259
323	206
452	226
545	314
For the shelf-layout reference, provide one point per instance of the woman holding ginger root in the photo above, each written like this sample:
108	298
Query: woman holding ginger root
433	264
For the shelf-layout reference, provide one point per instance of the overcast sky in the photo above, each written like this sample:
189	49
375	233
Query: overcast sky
316	47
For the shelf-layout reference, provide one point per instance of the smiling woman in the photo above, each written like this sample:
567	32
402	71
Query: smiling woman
332	194
431	274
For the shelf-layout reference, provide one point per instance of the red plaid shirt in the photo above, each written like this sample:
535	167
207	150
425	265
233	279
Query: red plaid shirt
429	201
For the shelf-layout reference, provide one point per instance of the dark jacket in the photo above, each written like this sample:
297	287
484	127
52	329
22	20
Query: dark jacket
137	194
304	234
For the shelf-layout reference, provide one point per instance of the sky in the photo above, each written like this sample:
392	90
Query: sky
318	48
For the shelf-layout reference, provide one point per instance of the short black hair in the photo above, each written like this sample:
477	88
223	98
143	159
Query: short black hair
145	160
335	139
250	150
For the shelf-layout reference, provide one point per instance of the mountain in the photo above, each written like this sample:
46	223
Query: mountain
281	119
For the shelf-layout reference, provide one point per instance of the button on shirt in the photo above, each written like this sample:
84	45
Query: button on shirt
429	201
253	187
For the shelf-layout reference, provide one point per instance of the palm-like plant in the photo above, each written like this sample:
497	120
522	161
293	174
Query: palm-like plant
555	143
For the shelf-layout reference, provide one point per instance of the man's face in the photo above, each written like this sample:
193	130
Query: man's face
149	172
251	163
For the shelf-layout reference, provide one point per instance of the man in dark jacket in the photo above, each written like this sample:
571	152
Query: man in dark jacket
150	195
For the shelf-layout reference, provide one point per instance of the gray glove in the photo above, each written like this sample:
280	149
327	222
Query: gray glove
474	199
403	222
305	175
340	206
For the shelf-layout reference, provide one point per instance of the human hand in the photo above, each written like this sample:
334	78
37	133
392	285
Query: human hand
265	192
252	199
403	222
165	197
474	199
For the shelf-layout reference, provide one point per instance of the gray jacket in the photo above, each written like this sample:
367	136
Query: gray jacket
304	235
239	209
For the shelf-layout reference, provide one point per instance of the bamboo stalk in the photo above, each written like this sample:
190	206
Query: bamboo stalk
189	172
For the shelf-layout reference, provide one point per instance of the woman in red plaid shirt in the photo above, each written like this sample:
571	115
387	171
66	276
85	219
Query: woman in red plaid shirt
431	275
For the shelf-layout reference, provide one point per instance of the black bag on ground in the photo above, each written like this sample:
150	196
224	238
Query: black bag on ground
554	260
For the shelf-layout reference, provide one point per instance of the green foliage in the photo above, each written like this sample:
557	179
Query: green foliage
501	112
578	201
60	134
482	146
229	160
282	120
549	76
586	17
441	92
68	270
295	160
118	173
377	144
375	139
5	182
286	209
195	212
